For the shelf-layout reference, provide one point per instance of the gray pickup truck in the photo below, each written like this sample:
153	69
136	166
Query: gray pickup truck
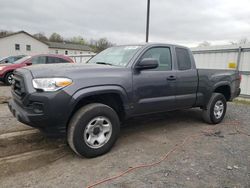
87	102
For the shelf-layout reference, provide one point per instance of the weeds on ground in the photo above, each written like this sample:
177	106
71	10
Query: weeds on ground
242	101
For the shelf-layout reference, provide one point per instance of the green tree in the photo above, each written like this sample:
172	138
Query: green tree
78	40
55	37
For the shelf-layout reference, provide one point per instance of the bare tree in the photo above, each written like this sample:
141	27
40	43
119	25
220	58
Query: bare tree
243	40
100	44
204	44
5	33
55	37
41	36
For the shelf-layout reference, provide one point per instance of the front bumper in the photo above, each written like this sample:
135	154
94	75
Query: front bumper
48	112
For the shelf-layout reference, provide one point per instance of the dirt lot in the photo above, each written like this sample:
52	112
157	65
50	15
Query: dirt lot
218	158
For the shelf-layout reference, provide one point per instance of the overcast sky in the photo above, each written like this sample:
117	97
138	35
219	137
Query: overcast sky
187	22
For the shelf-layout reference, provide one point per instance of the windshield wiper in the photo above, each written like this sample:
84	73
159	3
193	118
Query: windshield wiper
104	63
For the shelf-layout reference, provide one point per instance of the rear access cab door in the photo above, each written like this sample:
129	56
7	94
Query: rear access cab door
186	78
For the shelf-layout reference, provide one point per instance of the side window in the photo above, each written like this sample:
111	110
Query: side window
183	59
52	60
28	47
39	60
163	55
17	46
60	60
56	60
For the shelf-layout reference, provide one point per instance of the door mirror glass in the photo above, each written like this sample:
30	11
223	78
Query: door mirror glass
147	63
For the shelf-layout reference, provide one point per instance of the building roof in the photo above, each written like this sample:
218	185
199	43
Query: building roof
24	32
59	45
68	46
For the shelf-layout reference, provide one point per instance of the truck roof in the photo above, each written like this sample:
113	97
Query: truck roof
153	44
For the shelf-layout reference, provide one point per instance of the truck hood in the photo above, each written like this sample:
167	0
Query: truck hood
84	75
70	70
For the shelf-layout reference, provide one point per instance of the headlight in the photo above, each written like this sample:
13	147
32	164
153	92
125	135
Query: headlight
51	84
2	67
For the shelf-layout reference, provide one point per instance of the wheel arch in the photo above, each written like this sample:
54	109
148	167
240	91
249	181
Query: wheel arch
113	96
224	88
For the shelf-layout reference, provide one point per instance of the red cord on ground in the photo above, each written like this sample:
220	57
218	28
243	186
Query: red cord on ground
175	148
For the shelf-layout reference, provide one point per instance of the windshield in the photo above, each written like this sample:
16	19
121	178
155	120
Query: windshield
117	56
21	60
2	60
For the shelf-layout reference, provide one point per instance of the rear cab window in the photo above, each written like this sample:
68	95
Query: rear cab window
183	59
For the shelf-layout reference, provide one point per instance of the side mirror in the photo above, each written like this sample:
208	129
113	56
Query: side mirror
6	61
147	63
28	63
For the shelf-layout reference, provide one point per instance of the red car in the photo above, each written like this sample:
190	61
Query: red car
6	70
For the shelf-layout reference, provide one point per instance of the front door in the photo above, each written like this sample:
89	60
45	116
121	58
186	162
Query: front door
154	89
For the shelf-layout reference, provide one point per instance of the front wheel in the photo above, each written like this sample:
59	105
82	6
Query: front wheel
93	130
216	109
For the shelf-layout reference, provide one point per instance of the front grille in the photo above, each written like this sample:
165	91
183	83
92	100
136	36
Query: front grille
18	86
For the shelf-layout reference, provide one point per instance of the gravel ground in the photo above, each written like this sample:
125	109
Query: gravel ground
4	90
7	122
221	159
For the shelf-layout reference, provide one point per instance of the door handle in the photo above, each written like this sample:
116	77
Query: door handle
171	78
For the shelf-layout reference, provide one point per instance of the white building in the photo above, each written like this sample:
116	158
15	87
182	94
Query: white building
68	48
22	43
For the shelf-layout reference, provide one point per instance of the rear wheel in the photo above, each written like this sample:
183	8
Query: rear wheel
216	109
8	78
93	130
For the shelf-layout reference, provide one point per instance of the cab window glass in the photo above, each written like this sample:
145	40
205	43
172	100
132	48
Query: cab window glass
183	59
163	55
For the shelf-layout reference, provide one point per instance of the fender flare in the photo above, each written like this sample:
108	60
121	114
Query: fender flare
222	83
97	90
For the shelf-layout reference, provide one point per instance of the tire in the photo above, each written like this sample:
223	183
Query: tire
216	109
89	127
8	78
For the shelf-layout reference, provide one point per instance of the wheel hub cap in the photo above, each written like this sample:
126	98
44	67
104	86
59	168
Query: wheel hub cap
98	132
10	78
218	109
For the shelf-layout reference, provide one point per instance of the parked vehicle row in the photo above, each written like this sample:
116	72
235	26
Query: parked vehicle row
87	102
8	65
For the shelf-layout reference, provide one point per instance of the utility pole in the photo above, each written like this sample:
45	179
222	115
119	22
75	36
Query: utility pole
147	24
